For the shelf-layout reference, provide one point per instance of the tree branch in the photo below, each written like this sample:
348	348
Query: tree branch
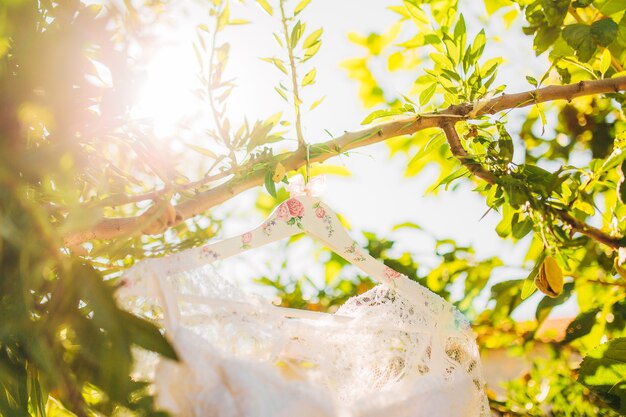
478	170
405	125
590	231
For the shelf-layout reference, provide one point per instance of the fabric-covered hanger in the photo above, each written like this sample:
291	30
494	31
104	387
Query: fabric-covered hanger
303	212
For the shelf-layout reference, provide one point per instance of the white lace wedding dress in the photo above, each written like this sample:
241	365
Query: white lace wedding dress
397	351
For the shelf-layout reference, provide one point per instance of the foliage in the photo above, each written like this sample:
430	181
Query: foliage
73	160
603	370
64	343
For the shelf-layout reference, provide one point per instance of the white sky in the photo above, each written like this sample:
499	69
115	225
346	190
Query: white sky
376	196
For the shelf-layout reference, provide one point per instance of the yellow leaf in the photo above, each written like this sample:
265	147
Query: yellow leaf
357	38
238	22
605	61
309	78
279	173
395	61
584	207
317	103
550	278
312	39
301	6
265	5
509	17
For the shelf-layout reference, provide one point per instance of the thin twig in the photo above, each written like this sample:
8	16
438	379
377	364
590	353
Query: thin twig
216	116
294	78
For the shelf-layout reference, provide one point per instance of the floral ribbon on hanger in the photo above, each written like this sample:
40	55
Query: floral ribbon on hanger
314	187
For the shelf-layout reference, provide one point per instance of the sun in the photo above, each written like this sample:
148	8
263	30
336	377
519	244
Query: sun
167	97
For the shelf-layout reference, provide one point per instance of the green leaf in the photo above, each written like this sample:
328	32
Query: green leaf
578	36
378	114
38	398
507	296
505	143
610	7
309	78
581	326
460	30
532	81
147	335
545	37
301	6
407	225
478	46
584	38
581	3
603	371
503	229
427	94
296	33
529	283
442	60
270	186
555	11
459	173
613	160
604	31
539	179
621	186
265	5
546	304
521	229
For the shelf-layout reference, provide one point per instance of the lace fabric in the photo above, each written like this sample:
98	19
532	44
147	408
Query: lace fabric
385	352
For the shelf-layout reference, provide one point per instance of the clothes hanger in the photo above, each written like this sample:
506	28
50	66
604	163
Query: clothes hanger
301	213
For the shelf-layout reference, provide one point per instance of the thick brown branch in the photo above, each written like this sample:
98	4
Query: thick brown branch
553	92
406	125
